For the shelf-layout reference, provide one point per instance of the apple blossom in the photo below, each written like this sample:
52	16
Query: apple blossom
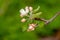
23	12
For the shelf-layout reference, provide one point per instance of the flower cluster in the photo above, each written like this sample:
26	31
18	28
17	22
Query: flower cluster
31	14
24	12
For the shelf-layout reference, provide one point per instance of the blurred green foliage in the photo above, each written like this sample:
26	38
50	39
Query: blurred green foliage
10	25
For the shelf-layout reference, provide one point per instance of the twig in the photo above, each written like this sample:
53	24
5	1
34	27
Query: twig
57	37
50	20
41	19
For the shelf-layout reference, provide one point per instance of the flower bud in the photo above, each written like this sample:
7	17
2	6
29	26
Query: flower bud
23	20
27	9
30	8
31	27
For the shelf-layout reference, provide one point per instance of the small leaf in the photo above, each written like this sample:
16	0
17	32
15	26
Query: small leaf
36	15
36	9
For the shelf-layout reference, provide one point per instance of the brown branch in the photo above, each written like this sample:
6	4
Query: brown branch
50	20
41	19
57	37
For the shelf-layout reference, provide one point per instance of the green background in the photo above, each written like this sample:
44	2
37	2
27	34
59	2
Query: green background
10	25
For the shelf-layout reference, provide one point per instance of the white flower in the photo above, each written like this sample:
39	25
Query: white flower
30	8
23	20
23	12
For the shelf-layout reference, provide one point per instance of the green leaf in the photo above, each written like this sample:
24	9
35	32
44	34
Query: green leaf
36	15
36	9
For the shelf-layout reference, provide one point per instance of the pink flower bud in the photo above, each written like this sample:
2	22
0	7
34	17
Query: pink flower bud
23	20
31	27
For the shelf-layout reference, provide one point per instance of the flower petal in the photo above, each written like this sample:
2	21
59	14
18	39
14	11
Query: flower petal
22	11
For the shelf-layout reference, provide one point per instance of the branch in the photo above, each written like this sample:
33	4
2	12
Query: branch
50	20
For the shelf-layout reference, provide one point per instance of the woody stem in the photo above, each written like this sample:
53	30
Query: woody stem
50	20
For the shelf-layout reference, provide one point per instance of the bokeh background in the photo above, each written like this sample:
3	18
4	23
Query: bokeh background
10	25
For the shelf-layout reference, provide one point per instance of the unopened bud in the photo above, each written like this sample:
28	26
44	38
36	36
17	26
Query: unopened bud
34	25
27	9
30	8
31	27
23	20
